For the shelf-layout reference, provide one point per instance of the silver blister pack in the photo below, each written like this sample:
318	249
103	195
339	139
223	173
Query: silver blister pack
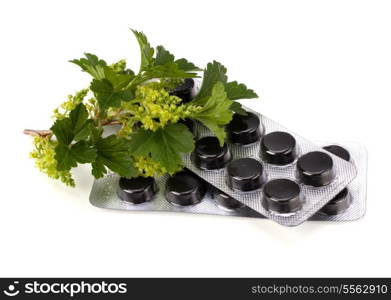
104	195
312	198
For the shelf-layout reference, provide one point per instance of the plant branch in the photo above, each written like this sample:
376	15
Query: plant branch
48	133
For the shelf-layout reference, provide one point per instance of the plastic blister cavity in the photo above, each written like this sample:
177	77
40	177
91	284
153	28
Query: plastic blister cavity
282	196
184	189
136	190
245	129
245	175
209	155
278	148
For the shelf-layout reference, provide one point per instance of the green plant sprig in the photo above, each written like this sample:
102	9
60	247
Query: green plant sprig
151	139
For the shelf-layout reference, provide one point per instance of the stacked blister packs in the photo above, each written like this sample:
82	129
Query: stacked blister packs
263	171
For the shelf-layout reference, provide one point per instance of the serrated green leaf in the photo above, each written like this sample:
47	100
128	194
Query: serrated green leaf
80	123
118	80
216	111
185	65
96	134
214	72
163	56
237	108
145	49
237	91
62	129
64	158
68	156
113	152
164	145
84	132
75	127
98	168
92	65
107	96
168	70
82	152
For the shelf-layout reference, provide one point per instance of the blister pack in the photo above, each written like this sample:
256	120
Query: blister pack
183	192
348	205
269	168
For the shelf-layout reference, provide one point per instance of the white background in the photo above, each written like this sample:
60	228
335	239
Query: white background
321	68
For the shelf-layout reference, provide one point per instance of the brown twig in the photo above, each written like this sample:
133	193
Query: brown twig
42	133
47	133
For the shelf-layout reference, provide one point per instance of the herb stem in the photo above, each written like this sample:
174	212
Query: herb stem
34	132
49	133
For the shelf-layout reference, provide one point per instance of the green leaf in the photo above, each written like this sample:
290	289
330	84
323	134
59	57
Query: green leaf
82	152
84	131
118	80
107	95
185	65
62	129
237	108
98	168
168	70
75	127
68	156
163	56
80	123
164	145
214	72
92	65
64	158
216	111
113	152
145	49
237	91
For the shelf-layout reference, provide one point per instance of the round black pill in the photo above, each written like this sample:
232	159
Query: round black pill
338	151
245	174
184	90
226	201
315	168
244	129
278	148
209	155
281	195
184	189
338	204
136	190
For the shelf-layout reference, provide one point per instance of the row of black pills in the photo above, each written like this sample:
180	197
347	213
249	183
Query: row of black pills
182	189
276	148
